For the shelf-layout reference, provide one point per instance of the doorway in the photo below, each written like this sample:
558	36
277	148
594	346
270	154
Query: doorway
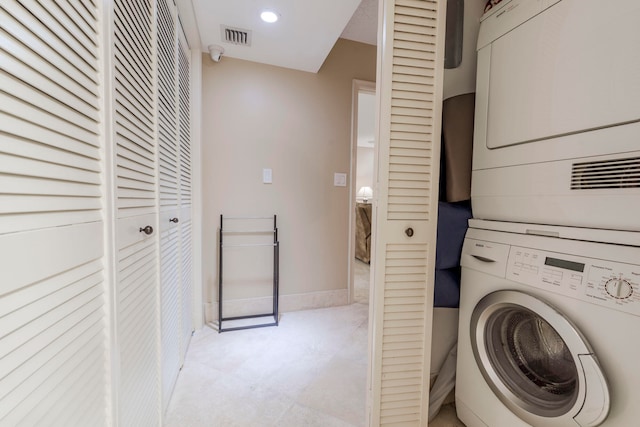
362	193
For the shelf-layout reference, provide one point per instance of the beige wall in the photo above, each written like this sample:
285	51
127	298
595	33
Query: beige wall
298	124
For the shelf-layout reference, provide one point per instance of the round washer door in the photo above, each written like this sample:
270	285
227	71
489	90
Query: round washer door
537	362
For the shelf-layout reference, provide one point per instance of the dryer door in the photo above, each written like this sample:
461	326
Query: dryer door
537	362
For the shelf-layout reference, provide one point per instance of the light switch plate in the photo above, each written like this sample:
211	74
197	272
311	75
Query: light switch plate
339	179
267	176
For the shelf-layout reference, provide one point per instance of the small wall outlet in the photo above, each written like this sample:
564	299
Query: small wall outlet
267	176
339	179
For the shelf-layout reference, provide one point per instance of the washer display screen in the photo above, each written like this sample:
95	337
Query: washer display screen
563	263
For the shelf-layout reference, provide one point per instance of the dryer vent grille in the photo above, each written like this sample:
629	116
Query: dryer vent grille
237	36
616	173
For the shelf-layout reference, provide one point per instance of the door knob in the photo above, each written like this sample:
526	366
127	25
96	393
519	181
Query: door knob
409	231
174	220
146	230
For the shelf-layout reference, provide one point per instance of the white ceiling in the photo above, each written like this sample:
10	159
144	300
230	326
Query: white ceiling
301	39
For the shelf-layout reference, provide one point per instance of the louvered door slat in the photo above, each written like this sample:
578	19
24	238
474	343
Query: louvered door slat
126	183
129	76
135	171
44	119
73	366
184	76
22	19
44	203
37	378
27	74
73	155
135	151
141	177
171	306
134	133
417	7
25	93
69	35
127	71
131	23
85	10
137	329
49	323
410	93
34	61
81	378
132	106
187	283
78	20
416	11
167	78
133	92
29	40
65	14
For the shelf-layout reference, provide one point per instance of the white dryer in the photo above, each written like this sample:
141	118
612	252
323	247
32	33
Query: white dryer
549	331
558	114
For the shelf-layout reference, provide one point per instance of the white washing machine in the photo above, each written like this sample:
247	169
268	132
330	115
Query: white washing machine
549	331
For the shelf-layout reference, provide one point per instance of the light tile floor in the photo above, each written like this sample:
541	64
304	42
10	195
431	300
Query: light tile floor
309	371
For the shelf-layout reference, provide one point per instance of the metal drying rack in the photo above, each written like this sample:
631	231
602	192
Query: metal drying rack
276	272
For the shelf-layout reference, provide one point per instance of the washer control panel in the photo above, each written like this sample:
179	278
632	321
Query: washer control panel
614	285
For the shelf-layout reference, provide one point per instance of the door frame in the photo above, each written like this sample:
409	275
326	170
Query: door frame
357	87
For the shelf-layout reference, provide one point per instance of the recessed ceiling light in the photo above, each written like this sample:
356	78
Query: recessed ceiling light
269	16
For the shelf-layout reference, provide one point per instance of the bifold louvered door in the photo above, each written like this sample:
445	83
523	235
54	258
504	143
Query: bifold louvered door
410	70
169	169
137	290
53	295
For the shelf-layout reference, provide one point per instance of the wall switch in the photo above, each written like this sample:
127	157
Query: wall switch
339	179
267	176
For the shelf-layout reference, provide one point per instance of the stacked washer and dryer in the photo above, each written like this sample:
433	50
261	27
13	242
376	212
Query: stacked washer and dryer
549	329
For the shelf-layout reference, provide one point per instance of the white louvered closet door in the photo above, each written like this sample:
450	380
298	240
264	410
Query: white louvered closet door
410	70
53	325
137	293
168	160
184	108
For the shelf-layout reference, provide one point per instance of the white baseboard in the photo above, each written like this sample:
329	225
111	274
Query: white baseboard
287	303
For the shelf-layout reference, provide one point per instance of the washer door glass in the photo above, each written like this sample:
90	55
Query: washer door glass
531	359
528	353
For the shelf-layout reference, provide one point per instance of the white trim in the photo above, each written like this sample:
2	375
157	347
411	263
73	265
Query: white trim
105	26
189	25
356	87
196	186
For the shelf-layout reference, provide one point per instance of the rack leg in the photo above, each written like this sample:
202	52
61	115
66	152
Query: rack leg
220	279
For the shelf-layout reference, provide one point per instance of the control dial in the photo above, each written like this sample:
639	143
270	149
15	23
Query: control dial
618	288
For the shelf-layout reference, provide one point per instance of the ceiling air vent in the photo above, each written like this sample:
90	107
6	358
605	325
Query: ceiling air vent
236	35
616	173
